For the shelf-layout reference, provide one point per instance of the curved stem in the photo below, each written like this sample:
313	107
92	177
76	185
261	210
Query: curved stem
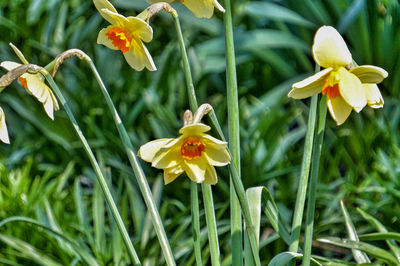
93	161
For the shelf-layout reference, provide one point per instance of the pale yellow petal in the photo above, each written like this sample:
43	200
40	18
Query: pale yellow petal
369	74
113	17
309	86
196	169
138	27
42	93
148	151
103	39
167	158
351	90
200	8
329	48
170	174
3	128
217	157
339	109
374	96
104	4
218	6
8	65
138	57
211	175
194	129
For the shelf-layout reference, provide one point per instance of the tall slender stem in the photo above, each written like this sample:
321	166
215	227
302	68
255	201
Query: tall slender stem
93	161
316	156
206	189
194	201
234	135
138	171
305	172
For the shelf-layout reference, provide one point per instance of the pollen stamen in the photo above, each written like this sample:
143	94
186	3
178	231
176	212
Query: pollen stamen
120	38
192	148
331	86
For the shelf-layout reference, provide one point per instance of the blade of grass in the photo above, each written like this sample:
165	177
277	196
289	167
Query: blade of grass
234	134
95	164
314	181
194	201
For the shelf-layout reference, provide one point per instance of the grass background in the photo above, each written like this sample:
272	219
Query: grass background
45	174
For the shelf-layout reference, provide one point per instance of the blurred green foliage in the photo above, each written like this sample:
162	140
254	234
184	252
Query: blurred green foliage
45	174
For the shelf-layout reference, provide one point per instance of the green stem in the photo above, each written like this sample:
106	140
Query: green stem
138	171
206	189
211	224
314	181
101	179
194	200
234	135
305	172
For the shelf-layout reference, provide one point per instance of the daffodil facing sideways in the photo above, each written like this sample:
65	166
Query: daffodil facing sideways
34	85
346	86
200	8
126	34
193	152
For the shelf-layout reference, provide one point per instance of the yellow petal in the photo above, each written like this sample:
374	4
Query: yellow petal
329	48
369	74
194	129
196	169
148	151
104	4
309	86
166	158
8	65
138	27
217	157
103	39
374	96
170	174
138	57
211	175
200	8
113	17
339	109
42	92
351	90
218	6
3	128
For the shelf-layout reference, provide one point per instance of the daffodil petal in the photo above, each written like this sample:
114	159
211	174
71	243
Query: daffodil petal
374	96
339	109
140	28
166	158
351	90
194	129
309	86
196	169
211	175
148	151
138	57
104	40
42	93
113	17
8	65
214	142
369	74
217	157
3	128
218	6
201	9
104	4
329	48
170	174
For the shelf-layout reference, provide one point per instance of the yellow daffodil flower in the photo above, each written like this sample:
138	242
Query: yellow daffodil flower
3	128
194	152
34	85
200	8
345	86
126	34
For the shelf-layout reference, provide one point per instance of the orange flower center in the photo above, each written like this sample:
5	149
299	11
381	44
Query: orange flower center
23	82
192	148
331	86
120	38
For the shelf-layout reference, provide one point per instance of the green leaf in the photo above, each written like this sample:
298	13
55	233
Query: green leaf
285	257
372	250
359	256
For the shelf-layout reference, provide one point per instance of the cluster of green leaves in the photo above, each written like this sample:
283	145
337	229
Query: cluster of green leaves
45	174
